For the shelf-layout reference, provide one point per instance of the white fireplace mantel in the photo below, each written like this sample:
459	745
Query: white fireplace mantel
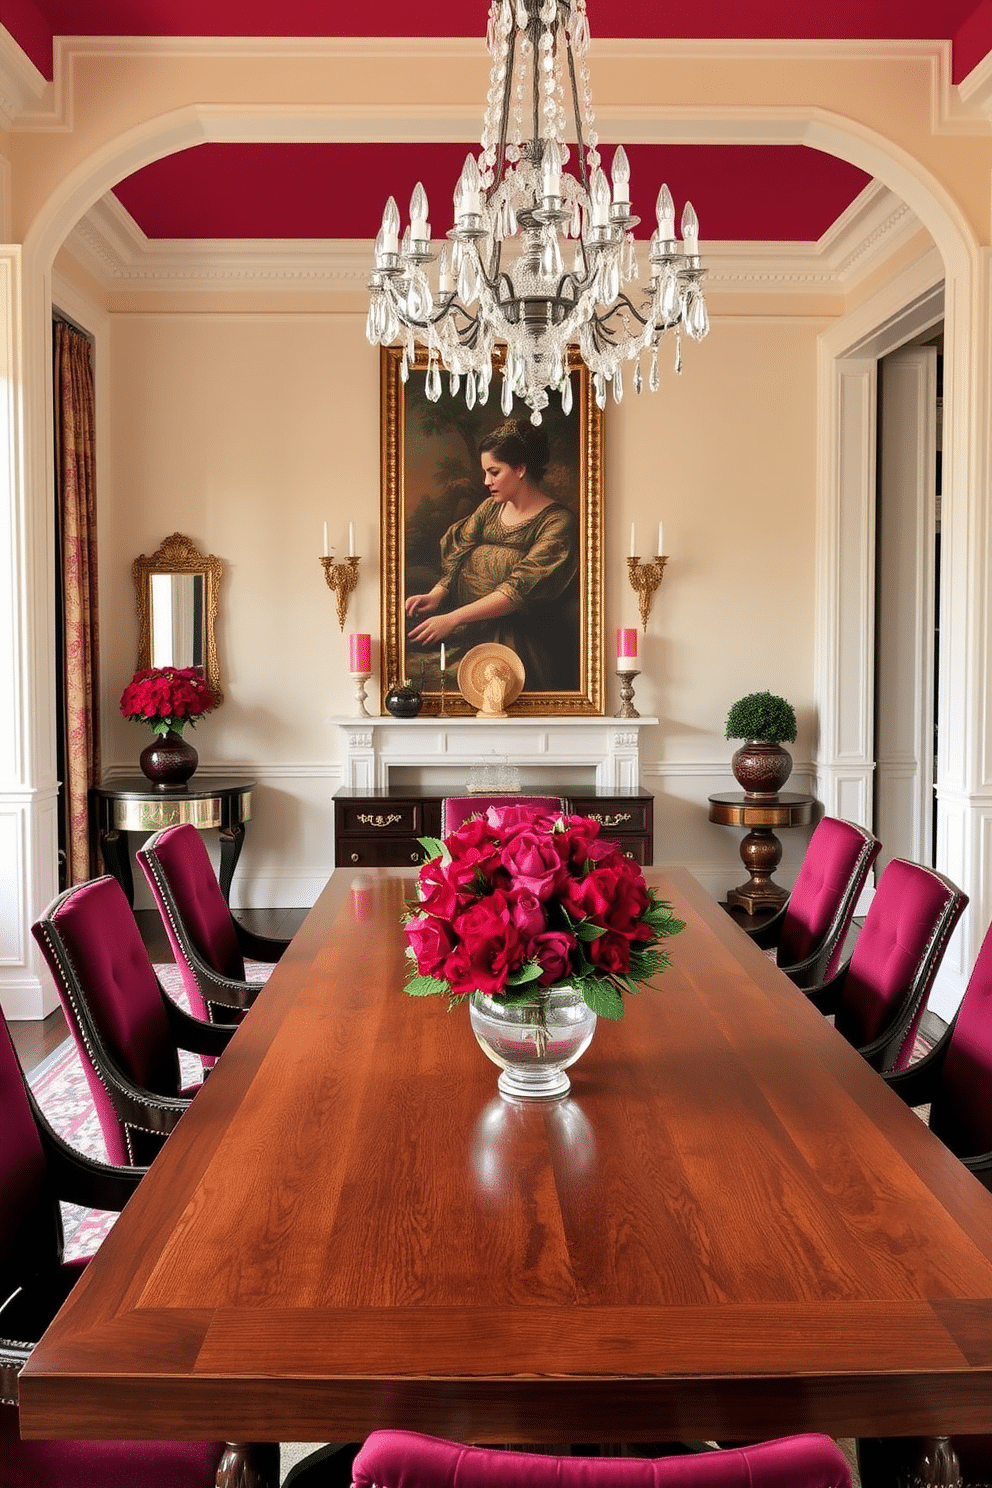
375	746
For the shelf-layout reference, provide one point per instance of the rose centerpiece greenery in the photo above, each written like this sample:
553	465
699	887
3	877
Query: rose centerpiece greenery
167	698
519	901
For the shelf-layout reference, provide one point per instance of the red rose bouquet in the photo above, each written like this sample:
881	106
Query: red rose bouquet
517	900
167	698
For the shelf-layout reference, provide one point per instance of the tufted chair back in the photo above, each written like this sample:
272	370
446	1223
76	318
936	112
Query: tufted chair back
822	903
960	1109
193	908
405	1459
111	998
458	809
30	1230
896	958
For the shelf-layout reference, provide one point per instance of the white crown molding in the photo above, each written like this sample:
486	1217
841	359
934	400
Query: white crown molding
22	86
110	246
27	101
975	91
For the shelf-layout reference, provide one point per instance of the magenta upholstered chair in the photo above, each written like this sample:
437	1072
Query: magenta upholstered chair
956	1076
127	1031
879	997
810	929
209	945
458	809
37	1169
405	1459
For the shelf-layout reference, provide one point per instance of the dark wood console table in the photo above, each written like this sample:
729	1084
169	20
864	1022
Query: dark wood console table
132	804
761	851
381	828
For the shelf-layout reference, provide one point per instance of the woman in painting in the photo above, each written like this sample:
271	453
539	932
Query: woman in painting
509	570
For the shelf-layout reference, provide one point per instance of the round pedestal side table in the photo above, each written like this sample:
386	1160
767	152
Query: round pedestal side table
761	851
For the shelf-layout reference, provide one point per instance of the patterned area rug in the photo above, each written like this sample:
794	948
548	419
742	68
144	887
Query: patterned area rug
61	1090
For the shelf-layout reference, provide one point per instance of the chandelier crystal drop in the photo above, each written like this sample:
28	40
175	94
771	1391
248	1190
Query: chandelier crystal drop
539	258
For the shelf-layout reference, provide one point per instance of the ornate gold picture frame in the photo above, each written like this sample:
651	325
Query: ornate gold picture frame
177	591
432	478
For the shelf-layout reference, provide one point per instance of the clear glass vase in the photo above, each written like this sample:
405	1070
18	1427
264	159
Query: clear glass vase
533	1043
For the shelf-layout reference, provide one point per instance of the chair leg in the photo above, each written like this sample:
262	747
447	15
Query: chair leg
326	1467
249	1465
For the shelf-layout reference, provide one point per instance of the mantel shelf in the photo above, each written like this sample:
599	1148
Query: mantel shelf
376	745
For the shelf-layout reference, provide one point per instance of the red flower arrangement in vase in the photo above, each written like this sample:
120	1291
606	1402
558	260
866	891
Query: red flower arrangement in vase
520	911
167	699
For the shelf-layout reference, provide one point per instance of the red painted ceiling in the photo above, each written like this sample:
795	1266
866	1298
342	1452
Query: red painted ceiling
295	191
285	191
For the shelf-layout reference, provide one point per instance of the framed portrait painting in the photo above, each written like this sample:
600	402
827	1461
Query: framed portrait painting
439	529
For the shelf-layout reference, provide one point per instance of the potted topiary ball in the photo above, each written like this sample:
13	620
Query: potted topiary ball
761	766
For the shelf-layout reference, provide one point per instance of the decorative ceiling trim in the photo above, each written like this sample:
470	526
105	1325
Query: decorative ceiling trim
21	84
45	106
975	91
108	244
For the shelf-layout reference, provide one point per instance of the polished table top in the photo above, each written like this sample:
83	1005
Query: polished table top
731	1227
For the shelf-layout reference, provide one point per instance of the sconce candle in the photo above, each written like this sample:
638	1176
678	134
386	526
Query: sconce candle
633	542
325	540
359	655
661	539
351	539
626	648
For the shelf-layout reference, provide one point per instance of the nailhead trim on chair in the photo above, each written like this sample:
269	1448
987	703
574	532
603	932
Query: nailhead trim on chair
138	1097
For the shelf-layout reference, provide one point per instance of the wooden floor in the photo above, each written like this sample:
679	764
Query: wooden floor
34	1040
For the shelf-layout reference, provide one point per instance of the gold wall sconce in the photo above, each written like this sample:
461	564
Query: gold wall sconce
644	580
646	577
342	578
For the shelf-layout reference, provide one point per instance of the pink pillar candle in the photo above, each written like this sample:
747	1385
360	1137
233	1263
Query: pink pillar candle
359	654
626	648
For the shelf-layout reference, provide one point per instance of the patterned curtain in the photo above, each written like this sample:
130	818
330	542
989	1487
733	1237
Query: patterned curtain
75	488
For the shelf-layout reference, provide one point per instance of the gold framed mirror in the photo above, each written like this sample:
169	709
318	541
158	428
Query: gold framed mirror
177	591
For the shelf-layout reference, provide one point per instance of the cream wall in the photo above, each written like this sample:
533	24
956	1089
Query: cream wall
888	107
247	431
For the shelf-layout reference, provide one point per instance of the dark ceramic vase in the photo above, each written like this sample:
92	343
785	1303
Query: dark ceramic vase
168	761
403	700
760	768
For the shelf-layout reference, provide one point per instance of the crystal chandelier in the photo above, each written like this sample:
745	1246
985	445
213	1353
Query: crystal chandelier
502	277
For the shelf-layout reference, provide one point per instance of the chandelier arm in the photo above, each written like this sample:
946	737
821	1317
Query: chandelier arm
534	30
504	122
577	113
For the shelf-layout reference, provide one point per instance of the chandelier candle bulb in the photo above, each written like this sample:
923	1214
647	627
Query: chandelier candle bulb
390	232
621	178
442	656
419	228
690	229
551	177
626	648
665	212
359	655
600	199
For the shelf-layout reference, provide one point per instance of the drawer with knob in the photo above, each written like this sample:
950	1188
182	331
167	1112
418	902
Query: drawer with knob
380	830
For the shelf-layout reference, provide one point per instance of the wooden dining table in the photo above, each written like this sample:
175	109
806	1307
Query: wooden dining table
729	1228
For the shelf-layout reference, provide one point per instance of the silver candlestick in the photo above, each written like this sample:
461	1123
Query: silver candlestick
626	708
